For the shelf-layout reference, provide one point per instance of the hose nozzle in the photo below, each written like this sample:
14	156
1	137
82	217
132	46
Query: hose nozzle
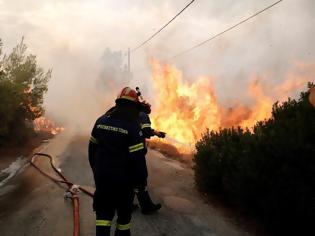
139	93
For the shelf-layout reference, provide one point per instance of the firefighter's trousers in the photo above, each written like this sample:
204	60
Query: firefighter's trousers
117	201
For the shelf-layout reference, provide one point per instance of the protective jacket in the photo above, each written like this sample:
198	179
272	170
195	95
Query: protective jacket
145	121
117	152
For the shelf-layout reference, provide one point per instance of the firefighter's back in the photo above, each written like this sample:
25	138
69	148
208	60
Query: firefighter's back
112	165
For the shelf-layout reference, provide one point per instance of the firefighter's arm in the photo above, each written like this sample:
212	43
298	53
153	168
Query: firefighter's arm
146	128
147	131
137	156
93	145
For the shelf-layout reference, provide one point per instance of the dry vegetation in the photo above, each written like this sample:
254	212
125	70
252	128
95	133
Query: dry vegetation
171	152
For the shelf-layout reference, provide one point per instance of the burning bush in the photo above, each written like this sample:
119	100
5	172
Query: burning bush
45	125
270	171
22	86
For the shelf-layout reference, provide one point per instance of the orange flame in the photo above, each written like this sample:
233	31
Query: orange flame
262	108
46	125
185	110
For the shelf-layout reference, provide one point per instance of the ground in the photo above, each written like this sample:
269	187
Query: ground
31	204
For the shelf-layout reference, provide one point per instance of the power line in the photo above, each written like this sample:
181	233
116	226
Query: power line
228	29
153	35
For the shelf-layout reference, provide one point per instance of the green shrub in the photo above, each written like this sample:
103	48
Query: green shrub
270	171
22	86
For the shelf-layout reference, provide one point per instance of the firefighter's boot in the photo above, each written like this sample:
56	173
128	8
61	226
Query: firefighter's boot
146	204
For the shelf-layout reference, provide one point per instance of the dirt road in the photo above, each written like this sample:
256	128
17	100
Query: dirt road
30	204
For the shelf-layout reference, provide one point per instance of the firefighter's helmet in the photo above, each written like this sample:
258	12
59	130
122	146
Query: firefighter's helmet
128	94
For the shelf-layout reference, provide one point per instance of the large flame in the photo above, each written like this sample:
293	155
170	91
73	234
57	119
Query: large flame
185	110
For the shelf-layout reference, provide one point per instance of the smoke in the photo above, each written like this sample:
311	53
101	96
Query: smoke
85	42
114	72
88	91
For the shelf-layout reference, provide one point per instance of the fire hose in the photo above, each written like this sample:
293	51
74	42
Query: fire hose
72	191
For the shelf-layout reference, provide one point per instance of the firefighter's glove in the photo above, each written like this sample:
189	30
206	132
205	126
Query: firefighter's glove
161	134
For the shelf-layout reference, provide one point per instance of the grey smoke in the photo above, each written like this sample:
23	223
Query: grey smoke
85	43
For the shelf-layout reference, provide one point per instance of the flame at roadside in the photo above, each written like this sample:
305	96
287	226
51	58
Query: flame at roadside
185	110
45	125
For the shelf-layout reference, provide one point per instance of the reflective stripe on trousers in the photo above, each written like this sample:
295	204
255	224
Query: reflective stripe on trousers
103	227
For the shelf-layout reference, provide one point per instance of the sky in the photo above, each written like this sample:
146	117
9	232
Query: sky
85	43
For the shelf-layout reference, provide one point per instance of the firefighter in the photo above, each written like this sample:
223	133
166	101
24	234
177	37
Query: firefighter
117	158
144	199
